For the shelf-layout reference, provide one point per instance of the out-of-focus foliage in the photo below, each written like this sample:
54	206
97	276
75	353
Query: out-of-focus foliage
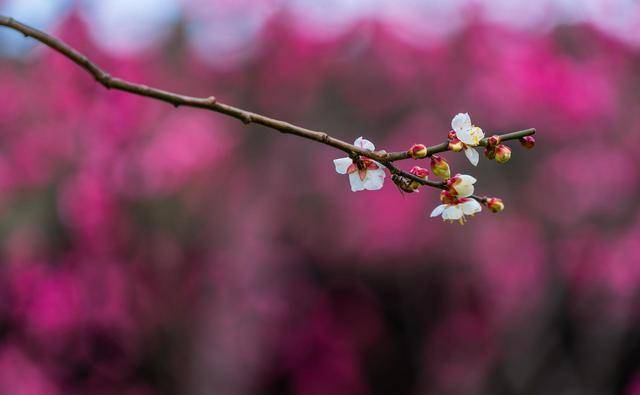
149	250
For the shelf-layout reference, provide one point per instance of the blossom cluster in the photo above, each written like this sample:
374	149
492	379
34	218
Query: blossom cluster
457	198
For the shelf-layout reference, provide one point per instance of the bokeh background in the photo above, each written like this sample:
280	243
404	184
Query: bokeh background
150	250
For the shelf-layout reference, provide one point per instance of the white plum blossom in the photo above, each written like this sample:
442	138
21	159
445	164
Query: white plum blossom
469	135
368	175
456	200
461	185
457	209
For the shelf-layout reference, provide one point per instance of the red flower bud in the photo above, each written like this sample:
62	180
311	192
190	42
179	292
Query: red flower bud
493	141
419	172
528	142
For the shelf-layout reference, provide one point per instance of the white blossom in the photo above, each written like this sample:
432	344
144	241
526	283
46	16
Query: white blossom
469	135
369	175
457	209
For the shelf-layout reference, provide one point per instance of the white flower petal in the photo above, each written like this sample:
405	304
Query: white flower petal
438	210
461	123
471	207
466	137
374	179
477	134
472	155
464	189
453	213
471	137
342	164
356	183
364	144
464	185
466	179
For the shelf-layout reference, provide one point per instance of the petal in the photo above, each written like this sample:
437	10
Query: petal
438	210
477	134
472	155
364	144
464	190
356	184
453	213
471	136
461	123
466	179
374	180
471	207
466	137
342	164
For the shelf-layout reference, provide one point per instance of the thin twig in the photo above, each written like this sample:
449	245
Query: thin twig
435	184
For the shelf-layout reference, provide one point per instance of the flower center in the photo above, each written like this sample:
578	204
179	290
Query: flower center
361	165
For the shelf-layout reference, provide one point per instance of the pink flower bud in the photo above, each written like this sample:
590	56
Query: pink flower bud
503	153
493	141
419	172
418	151
495	204
528	142
440	167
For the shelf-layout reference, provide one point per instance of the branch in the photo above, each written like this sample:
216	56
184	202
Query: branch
442	147
208	103
247	117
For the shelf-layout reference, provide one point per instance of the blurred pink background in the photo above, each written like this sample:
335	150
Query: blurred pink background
147	250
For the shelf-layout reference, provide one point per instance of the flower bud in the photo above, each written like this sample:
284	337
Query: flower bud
418	172
493	140
418	151
456	145
495	204
528	142
490	153
503	153
440	167
452	135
